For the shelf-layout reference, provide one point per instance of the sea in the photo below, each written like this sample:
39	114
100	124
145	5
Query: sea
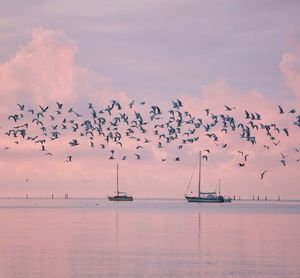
148	238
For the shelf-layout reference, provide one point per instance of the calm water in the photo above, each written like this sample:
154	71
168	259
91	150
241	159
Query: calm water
148	238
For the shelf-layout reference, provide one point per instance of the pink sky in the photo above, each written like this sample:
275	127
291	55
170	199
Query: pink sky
48	66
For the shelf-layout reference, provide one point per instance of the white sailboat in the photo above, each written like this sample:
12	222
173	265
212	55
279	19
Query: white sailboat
121	196
204	197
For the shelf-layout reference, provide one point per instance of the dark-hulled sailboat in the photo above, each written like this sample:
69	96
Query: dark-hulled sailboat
121	196
204	197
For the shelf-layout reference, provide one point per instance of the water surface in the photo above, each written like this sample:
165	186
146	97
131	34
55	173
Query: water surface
148	238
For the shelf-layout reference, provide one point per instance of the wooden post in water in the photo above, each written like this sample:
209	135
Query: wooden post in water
199	181
117	179
234	197
278	198
266	199
257	197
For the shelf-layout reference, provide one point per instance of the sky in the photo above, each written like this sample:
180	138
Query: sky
206	53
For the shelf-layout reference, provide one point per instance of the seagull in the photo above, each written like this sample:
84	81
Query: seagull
262	174
69	159
138	157
276	143
280	109
131	104
59	105
22	106
292	111
283	156
207	110
229	108
44	109
286	131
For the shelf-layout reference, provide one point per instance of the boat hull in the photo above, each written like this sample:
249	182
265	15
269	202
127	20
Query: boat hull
120	198
218	199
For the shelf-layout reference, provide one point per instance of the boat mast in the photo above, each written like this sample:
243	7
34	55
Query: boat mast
199	180
117	178
219	187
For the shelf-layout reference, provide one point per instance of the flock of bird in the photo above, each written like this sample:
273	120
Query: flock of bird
115	126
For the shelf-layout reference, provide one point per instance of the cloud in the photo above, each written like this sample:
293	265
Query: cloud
44	70
290	68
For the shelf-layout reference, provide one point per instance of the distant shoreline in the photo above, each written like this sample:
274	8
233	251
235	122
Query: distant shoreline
140	198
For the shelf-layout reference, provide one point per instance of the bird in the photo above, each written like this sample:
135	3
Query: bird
283	156
262	174
69	159
286	131
59	105
280	110
131	104
138	157
21	106
44	109
229	108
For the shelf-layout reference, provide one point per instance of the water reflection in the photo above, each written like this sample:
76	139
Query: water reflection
152	239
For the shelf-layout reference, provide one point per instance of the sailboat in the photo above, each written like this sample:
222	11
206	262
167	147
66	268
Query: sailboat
121	196
204	197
